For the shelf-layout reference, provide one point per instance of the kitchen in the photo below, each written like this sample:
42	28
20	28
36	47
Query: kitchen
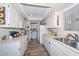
51	26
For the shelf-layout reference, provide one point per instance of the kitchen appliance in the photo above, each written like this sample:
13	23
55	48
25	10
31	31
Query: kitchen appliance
14	33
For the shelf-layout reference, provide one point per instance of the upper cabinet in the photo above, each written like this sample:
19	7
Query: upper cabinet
50	21
12	17
54	20
72	19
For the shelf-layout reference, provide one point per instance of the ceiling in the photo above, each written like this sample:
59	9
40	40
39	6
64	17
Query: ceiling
55	6
35	12
38	11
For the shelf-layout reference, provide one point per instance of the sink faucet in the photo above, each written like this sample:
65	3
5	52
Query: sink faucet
76	37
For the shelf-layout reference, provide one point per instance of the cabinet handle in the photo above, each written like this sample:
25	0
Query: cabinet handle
8	5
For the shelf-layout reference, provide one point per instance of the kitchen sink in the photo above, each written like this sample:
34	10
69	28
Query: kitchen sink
60	39
69	42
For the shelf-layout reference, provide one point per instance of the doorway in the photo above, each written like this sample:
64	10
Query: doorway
34	32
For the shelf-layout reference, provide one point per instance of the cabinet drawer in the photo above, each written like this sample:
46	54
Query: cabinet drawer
1	15
1	9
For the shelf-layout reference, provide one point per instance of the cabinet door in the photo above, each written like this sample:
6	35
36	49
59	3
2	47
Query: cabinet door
62	50
23	23
44	40
12	17
56	49
69	19
50	47
50	22
19	21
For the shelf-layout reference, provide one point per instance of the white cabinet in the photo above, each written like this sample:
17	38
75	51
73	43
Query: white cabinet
43	30
50	21
54	21
23	44
44	40
24	23
12	17
47	43
16	47
56	49
9	49
21	23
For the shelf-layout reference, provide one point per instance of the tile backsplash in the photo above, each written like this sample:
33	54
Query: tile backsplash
4	32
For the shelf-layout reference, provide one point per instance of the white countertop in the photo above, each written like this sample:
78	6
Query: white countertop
65	45
12	40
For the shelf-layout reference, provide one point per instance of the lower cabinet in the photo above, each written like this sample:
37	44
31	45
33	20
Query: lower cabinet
15	47
23	44
48	44
56	48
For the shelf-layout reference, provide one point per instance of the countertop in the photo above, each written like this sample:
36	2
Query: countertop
12	40
64	44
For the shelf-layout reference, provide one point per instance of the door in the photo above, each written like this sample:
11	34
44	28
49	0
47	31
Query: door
34	31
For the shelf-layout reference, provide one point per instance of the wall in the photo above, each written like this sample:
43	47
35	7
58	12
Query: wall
62	22
62	32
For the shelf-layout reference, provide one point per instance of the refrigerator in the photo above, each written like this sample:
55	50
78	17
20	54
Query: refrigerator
43	30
